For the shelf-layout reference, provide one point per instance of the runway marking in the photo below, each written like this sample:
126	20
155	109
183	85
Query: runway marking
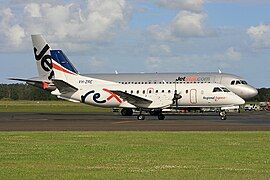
122	122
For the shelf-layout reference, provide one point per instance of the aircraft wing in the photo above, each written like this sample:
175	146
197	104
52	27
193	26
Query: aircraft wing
133	99
64	87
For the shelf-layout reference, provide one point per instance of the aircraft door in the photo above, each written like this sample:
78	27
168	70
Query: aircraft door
193	96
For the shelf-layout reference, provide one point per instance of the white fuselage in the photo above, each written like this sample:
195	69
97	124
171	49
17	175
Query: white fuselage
98	93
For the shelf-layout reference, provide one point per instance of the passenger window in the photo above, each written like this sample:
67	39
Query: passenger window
169	91
131	91
137	91
232	83
150	91
186	91
217	89
139	82
135	83
162	91
243	82
142	82
143	91
156	91
238	82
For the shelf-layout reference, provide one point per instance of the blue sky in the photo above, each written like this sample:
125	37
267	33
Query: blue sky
140	36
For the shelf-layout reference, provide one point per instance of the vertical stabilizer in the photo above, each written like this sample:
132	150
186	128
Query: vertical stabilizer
43	57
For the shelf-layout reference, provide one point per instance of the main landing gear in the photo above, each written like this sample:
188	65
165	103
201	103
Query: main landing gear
157	113
223	115
126	112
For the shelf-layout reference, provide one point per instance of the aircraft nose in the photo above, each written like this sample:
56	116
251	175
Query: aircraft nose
239	100
249	92
253	92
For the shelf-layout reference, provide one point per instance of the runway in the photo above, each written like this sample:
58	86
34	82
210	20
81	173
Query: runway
248	121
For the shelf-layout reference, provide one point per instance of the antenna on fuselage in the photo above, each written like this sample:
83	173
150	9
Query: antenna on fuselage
219	71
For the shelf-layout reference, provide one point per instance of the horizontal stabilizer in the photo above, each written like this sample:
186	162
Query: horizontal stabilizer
64	87
132	99
40	83
28	80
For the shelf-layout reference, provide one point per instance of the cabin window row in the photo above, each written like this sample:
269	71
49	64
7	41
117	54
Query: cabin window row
149	91
177	82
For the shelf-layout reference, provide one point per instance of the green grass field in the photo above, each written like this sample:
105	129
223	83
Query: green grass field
133	155
47	106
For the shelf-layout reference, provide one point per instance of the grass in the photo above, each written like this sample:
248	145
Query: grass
47	106
133	155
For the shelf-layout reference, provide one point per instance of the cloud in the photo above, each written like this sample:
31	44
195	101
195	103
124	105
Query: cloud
13	34
185	24
194	62
32	9
232	54
76	22
260	35
161	49
190	5
97	63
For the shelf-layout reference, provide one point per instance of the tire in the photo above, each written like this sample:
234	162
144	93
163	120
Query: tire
223	118
161	117
140	117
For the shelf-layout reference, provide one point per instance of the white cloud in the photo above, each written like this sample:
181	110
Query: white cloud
13	34
190	5
162	49
188	24
232	54
260	35
33	9
93	20
97	63
185	24
193	62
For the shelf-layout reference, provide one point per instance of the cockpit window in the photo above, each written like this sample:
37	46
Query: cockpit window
244	82
238	82
232	83
225	89
217	89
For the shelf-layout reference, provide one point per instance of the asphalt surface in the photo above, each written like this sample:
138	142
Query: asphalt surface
248	121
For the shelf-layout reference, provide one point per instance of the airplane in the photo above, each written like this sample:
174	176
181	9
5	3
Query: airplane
144	92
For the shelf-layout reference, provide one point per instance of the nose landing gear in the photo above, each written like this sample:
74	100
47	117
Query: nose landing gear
223	115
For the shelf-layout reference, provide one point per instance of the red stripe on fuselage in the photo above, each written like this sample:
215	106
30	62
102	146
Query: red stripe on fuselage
59	68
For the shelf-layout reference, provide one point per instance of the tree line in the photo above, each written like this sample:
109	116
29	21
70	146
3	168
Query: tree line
21	91
24	92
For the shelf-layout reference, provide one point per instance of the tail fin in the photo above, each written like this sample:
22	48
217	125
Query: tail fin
43	57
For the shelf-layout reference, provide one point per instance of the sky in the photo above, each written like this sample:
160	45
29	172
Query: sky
104	36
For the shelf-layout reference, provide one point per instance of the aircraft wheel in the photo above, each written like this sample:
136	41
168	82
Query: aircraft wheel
161	117
223	117
141	117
